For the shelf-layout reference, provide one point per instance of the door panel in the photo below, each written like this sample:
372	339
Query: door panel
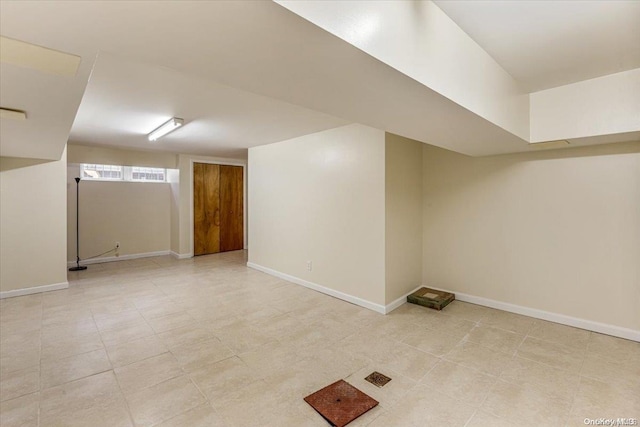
231	208
206	208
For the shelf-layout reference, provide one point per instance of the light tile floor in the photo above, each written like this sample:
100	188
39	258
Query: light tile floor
210	342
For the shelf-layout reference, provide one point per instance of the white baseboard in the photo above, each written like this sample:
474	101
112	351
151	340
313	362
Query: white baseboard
603	328
590	325
397	303
34	290
180	256
118	258
332	292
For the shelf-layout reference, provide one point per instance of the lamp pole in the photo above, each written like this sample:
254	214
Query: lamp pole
78	267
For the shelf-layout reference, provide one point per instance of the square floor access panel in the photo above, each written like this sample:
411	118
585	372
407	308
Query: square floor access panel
340	403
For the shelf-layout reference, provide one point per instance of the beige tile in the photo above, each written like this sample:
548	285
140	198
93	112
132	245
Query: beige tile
15	343
21	325
624	374
284	357
424	406
11	361
526	406
107	321
508	321
556	355
434	342
542	378
78	315
159	308
475	356
126	332
147	372
497	339
484	419
20	412
260	405
60	371
270	357
18	383
201	416
618	349
560	334
170	321
92	401
194	356
186	335
70	330
133	351
217	379
465	310
164	401
240	337
278	326
596	399
60	346
465	384
388	395
408	361
334	361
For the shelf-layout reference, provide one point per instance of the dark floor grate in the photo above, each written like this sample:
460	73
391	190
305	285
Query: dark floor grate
340	403
378	379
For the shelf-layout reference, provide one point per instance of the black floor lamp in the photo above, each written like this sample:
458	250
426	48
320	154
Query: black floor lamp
78	267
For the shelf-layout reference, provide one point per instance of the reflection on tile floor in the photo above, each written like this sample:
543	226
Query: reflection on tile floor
210	342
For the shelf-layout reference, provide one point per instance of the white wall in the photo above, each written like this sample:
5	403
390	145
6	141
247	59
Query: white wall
173	178
557	231
403	216
79	153
33	211
421	41
601	106
136	214
320	198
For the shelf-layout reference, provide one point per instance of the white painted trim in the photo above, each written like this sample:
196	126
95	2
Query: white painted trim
180	256
244	195
118	258
34	290
397	303
332	292
590	325
603	328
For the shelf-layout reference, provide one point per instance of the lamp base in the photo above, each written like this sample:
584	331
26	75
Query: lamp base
78	268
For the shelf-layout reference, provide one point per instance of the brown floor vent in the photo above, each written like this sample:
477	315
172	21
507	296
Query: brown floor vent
340	403
378	379
431	298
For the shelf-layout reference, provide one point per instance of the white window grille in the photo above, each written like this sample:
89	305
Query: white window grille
122	173
101	172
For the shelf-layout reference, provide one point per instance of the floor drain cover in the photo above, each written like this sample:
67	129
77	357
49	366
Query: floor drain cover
340	403
378	379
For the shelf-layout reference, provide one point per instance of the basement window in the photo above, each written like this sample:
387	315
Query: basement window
101	172
148	174
122	173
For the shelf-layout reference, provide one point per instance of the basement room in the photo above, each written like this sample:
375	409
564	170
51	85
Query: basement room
319	213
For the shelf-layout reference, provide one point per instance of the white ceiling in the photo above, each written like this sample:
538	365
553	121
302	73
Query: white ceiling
544	44
254	46
125	100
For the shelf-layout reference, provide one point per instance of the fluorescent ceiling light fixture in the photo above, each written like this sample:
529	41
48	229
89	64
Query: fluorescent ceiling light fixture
166	128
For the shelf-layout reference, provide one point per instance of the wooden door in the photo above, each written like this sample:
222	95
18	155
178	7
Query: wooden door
206	208
231	208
